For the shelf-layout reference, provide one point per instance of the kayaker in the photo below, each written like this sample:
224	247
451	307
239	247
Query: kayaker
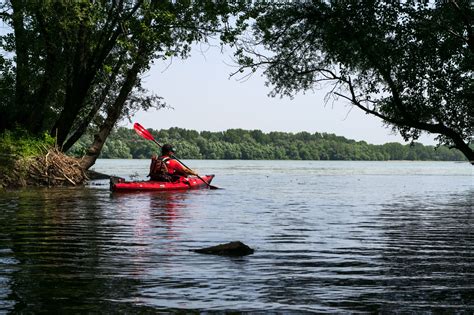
165	168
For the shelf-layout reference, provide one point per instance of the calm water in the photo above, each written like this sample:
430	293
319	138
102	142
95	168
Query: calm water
329	237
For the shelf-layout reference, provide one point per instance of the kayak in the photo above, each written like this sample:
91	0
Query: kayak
120	184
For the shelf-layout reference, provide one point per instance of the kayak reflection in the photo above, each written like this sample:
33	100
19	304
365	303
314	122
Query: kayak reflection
166	206
154	228
155	213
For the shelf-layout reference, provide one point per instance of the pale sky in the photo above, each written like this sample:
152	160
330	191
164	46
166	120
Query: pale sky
205	98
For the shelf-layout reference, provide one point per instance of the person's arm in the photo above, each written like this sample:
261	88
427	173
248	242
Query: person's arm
190	171
180	169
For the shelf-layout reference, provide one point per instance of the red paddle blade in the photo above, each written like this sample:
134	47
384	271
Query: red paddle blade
142	131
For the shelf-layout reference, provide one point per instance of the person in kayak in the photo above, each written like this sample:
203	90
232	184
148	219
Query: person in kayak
165	168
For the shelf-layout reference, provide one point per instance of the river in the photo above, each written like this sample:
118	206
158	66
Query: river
329	236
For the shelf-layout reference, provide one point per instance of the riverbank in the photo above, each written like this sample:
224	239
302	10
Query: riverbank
49	169
27	160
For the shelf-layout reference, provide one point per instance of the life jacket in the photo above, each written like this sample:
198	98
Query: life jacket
158	168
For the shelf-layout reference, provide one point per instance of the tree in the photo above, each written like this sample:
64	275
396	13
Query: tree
410	63
395	150
73	66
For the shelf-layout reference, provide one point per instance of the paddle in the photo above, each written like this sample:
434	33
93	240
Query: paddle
142	132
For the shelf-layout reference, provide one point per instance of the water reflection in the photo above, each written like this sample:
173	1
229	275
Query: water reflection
338	248
154	210
43	247
67	251
402	257
428	255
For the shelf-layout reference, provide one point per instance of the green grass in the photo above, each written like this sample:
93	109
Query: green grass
19	144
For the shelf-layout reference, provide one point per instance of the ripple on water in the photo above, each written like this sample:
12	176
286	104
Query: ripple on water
340	238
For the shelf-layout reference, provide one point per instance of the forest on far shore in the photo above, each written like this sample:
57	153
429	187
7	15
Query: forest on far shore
242	144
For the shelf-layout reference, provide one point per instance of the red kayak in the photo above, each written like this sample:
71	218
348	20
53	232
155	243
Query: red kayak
119	184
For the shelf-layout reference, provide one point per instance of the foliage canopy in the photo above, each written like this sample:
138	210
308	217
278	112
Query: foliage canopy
69	66
409	63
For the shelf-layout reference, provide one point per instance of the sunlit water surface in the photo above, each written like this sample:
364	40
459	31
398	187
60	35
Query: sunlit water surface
328	237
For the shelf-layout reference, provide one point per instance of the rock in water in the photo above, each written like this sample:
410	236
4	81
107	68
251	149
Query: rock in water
229	249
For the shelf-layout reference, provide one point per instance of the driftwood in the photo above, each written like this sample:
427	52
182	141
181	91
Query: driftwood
93	175
51	169
229	249
54	169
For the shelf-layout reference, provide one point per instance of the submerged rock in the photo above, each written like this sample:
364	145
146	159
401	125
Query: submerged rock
236	248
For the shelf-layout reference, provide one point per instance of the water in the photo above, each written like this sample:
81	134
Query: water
328	237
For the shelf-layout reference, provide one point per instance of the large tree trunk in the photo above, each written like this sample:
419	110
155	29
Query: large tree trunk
53	76
84	123
85	67
113	114
22	92
76	91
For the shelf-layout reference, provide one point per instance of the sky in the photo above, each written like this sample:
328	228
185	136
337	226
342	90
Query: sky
205	98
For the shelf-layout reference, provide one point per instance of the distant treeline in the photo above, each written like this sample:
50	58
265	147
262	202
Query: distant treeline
235	144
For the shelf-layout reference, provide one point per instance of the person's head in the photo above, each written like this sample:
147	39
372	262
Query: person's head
167	149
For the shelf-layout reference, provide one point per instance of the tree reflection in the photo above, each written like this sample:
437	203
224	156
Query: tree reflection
82	250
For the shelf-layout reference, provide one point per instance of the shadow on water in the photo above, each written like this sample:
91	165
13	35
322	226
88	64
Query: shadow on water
76	250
